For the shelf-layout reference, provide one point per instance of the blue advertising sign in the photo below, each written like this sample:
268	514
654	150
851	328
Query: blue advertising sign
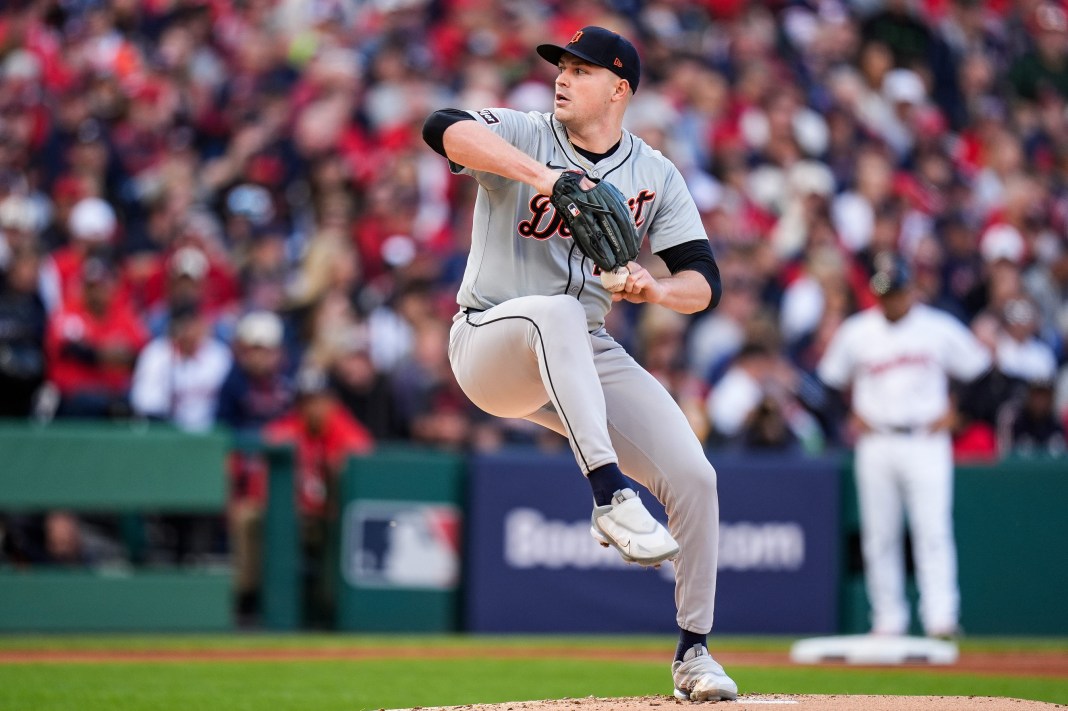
532	565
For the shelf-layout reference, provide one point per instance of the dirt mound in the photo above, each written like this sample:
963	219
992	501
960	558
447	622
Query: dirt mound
766	702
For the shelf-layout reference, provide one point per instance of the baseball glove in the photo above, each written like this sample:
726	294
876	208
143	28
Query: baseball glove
599	220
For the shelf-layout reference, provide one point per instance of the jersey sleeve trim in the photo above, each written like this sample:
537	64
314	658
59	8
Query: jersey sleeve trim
435	125
695	255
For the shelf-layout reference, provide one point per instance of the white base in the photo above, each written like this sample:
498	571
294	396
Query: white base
874	649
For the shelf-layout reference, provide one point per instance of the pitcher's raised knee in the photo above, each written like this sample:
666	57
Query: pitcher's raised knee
558	309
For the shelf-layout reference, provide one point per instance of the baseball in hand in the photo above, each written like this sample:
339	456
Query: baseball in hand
615	279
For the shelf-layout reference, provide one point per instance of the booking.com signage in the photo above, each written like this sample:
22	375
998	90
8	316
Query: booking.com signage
533	567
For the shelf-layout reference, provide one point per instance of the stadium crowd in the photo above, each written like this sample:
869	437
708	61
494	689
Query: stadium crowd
222	213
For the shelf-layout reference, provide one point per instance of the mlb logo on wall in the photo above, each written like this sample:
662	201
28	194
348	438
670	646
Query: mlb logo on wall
401	544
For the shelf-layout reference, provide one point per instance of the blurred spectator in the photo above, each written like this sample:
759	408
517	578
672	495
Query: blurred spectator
715	336
92	344
257	389
824	286
804	209
661	349
853	211
23	322
19	225
1042	72
191	263
325	436
56	538
755	406
430	405
1029	425
365	392
1019	352
92	228
178	376
903	96
1002	251
185	273
392	324
263	269
962	265
324	433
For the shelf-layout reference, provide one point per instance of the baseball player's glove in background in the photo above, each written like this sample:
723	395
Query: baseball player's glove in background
599	220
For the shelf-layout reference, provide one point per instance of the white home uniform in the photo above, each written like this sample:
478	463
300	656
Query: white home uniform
532	312
899	375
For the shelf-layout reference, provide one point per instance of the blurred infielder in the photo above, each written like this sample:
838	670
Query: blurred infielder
898	358
529	340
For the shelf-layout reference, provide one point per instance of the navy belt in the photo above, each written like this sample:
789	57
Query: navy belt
902	429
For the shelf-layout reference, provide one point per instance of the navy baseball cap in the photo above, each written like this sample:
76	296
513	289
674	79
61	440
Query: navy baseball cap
892	273
601	47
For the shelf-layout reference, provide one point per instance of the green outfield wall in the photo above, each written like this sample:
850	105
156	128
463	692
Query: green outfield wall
1012	541
398	547
120	470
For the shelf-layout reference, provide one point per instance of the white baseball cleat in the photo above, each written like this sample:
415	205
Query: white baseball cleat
699	677
627	526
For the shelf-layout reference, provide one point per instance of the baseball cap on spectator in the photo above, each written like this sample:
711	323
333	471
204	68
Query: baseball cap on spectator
260	328
904	86
1002	242
251	202
20	65
810	177
92	220
892	273
398	251
16	213
189	262
601	47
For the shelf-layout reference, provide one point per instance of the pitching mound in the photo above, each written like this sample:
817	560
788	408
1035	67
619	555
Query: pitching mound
752	702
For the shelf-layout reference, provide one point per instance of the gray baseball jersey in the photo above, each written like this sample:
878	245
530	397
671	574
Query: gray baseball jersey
541	258
529	341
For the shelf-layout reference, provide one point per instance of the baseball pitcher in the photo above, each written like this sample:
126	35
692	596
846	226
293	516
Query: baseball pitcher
564	201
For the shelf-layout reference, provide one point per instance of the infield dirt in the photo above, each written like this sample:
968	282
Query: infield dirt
765	702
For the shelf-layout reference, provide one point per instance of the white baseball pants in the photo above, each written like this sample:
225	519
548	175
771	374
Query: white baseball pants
532	357
899	475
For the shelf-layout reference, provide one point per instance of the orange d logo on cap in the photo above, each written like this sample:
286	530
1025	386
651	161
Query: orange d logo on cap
575	37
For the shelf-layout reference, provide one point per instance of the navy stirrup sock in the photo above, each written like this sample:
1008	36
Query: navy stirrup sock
687	640
606	481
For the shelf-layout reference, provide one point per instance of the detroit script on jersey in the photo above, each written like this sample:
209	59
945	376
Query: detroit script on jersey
512	250
544	222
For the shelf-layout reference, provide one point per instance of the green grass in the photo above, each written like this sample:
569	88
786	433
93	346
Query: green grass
349	685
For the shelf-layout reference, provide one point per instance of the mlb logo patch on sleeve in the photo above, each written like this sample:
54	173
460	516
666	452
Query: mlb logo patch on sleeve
488	116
